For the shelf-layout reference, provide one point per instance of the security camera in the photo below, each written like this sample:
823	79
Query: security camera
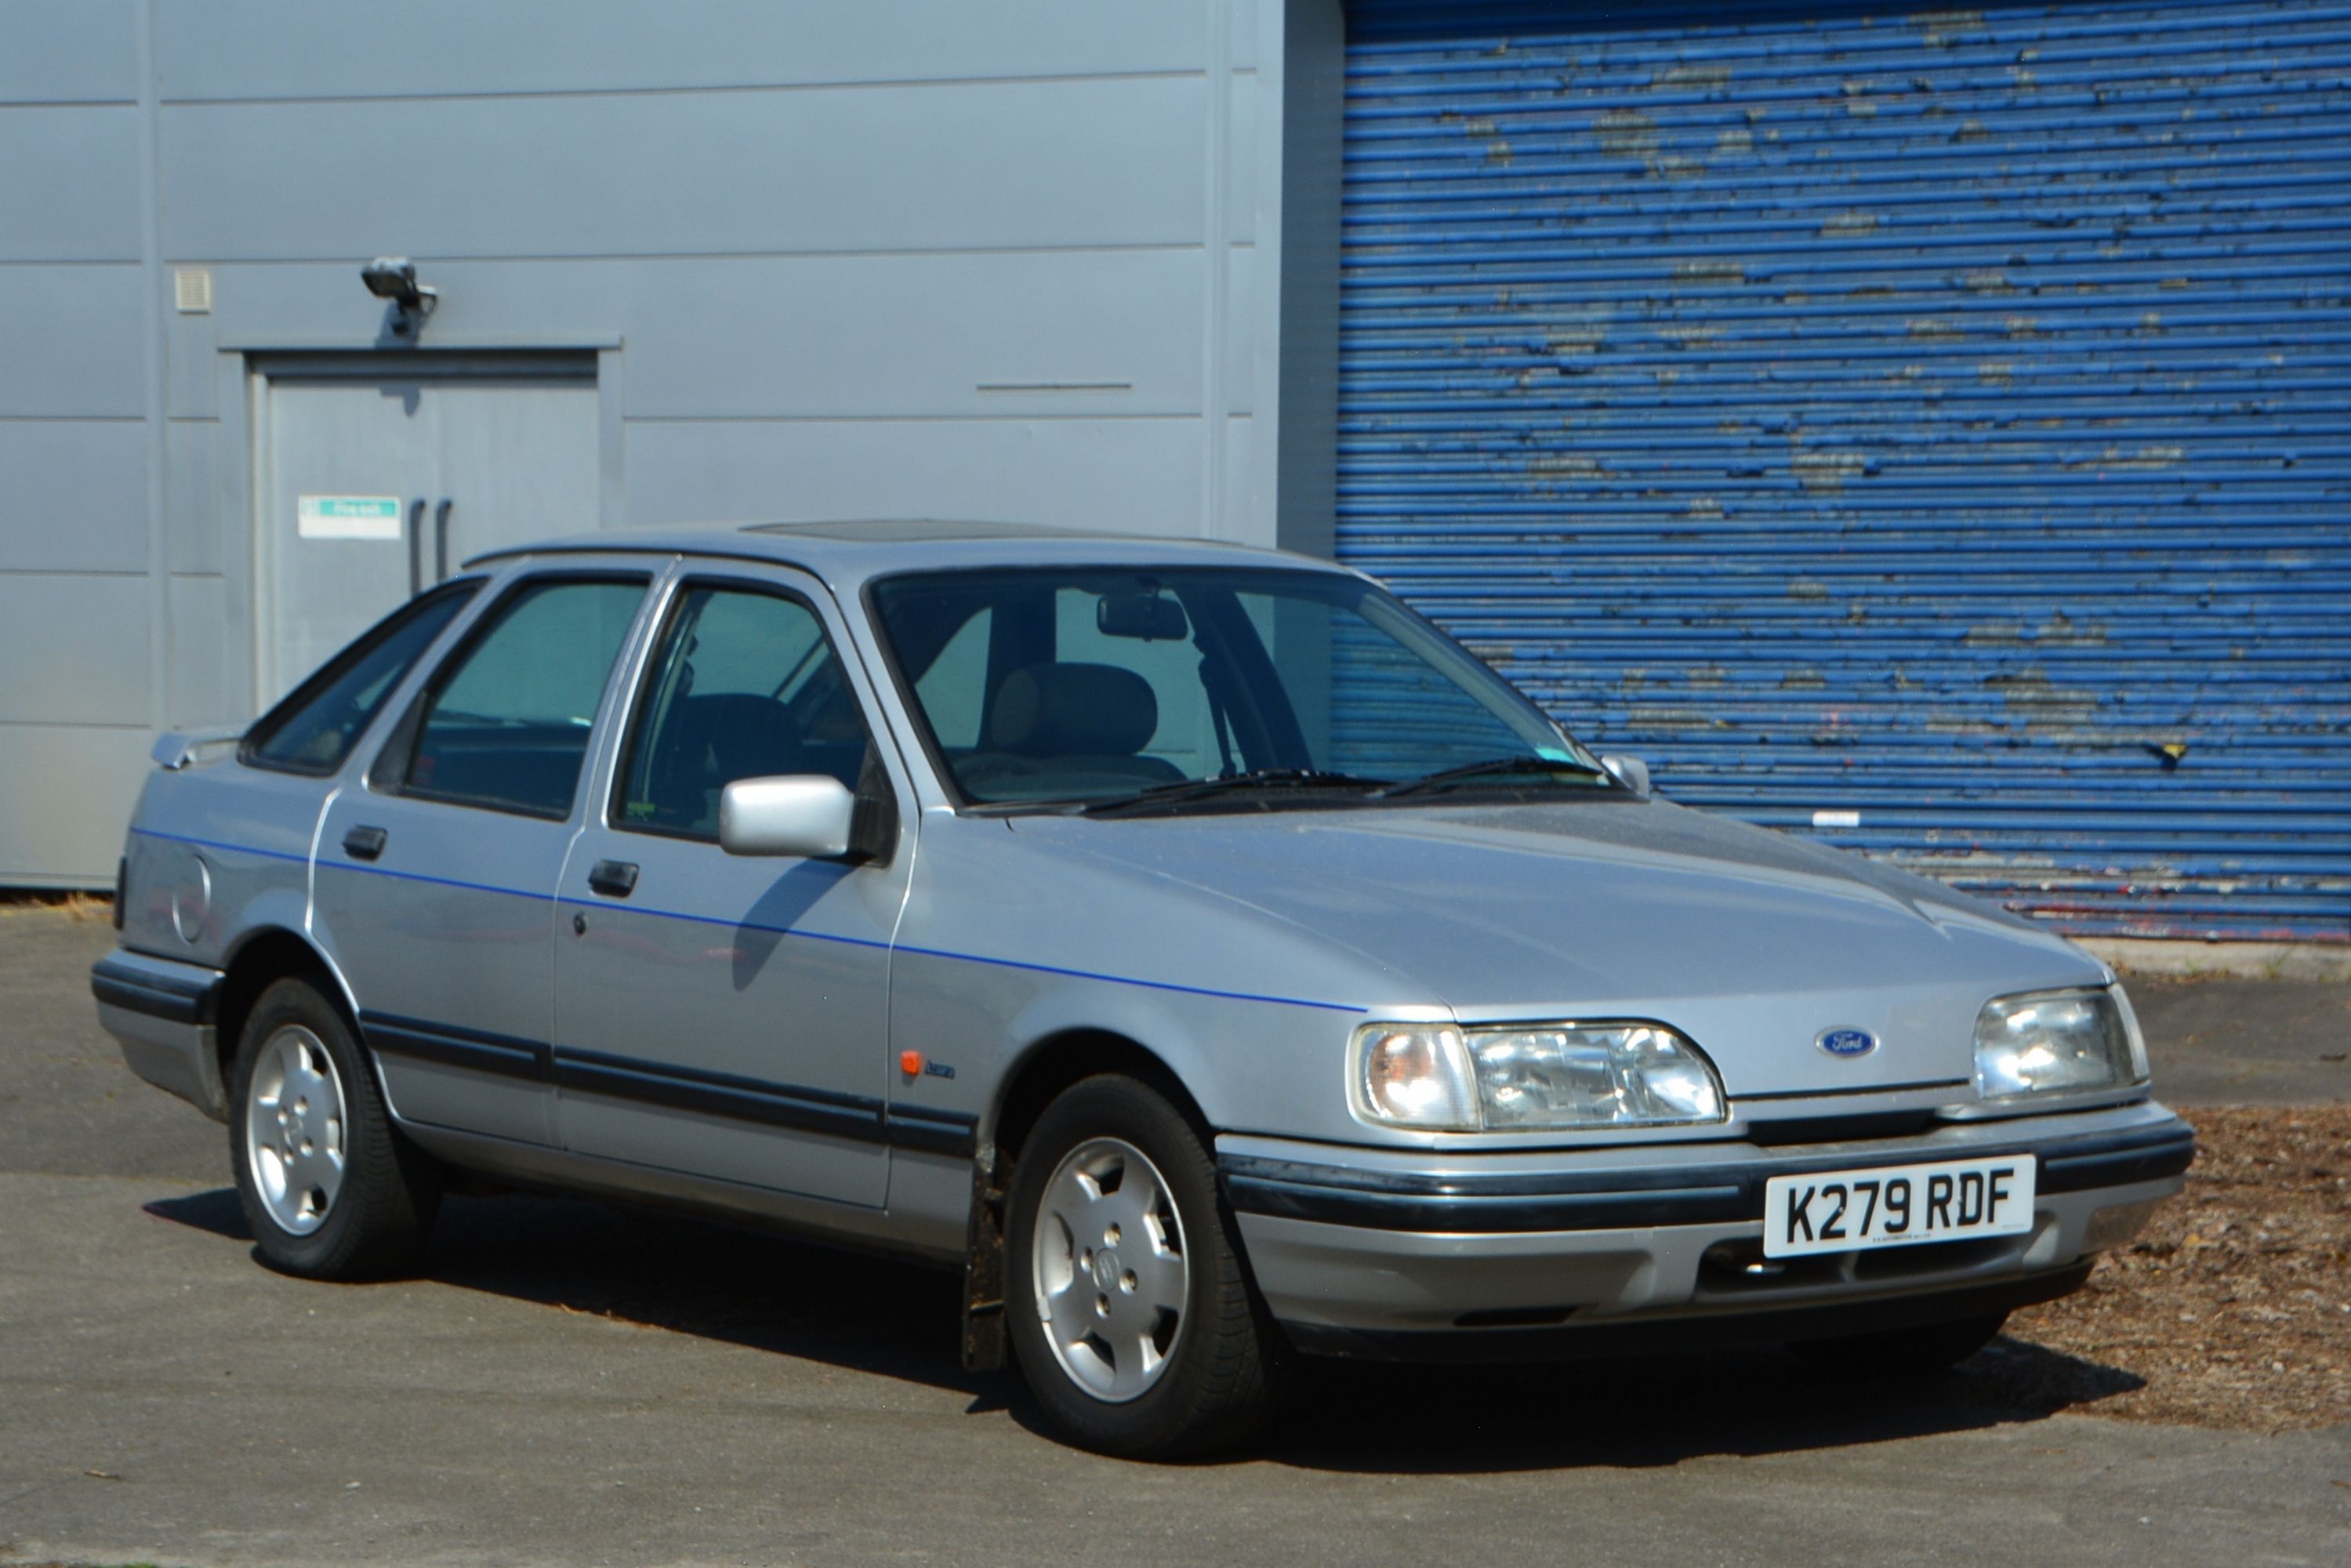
393	278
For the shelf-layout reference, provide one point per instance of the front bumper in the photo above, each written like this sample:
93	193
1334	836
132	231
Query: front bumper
160	1013
1412	1256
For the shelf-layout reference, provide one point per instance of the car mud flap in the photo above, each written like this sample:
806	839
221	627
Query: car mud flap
984	1347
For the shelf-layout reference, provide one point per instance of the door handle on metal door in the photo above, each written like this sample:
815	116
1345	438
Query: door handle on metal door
613	879
441	542
364	843
416	546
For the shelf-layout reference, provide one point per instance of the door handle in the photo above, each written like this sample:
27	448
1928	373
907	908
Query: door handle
364	843
416	546
613	879
441	541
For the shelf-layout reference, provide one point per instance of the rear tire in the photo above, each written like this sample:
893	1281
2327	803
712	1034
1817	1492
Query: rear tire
1912	1352
330	1188
1129	1308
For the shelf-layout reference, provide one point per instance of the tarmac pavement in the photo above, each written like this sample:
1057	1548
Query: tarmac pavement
572	1384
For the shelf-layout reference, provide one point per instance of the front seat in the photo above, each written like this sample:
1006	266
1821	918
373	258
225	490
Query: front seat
1084	723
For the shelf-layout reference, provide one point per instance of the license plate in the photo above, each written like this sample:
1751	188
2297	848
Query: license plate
1896	1206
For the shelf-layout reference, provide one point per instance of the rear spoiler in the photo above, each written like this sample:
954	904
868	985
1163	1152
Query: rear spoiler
175	749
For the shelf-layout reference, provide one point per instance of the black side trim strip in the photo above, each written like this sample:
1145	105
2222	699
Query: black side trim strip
1693	1195
926	1131
721	1094
855	1116
498	1055
1688	1330
155	995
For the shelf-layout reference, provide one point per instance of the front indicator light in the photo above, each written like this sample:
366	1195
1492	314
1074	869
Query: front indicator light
1413	1076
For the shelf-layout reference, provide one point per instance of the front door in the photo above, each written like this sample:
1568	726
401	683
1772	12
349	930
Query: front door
380	474
719	1014
437	876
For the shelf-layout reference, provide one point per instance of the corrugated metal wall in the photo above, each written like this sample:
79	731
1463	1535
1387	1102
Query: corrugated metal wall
1929	431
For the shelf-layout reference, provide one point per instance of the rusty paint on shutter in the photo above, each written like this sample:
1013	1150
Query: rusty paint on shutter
1927	431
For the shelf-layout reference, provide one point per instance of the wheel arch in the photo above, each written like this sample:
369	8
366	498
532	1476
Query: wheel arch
1048	1065
262	957
1055	1061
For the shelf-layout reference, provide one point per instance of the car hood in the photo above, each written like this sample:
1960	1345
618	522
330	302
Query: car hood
1751	941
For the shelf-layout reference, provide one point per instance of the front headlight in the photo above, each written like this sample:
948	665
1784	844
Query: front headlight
2057	1042
1530	1077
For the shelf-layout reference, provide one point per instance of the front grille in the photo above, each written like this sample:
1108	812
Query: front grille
1774	1132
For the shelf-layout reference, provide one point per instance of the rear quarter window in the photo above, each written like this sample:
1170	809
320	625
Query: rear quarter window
314	728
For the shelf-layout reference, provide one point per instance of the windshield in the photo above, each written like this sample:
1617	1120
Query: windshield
1093	685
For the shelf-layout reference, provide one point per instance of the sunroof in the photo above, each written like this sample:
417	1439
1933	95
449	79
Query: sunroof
909	531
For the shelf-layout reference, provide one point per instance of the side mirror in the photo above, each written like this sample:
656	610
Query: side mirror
804	814
1630	771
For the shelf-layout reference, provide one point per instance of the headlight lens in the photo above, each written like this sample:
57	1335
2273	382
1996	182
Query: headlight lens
2056	1042
1533	1077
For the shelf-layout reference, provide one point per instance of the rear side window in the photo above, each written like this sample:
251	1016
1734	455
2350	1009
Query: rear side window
505	723
315	728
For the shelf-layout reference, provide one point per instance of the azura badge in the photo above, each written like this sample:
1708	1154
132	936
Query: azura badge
1847	1041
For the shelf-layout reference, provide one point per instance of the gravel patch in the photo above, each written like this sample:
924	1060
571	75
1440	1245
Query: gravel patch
2232	1309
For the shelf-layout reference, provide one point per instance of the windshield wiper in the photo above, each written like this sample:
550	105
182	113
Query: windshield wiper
1492	767
1256	780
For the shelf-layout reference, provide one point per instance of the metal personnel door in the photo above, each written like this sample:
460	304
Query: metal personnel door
378	475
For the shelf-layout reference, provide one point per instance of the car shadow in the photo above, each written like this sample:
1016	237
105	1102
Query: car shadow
1641	1412
899	1319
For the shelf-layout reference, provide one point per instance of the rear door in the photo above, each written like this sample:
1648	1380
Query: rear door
726	1015
437	874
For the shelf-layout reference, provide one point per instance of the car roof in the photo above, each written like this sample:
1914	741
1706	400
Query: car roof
846	552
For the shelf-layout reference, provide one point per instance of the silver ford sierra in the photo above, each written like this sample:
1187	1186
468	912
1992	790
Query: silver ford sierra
1190	944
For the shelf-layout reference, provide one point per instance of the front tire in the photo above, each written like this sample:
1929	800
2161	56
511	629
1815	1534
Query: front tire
1130	1310
330	1190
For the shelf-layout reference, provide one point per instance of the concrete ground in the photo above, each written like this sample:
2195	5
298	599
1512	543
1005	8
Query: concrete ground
571	1385
2245	1041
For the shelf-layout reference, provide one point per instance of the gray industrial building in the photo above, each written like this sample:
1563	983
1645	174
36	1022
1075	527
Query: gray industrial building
1931	432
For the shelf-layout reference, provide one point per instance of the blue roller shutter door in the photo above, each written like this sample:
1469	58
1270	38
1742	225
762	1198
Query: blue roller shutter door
1931	432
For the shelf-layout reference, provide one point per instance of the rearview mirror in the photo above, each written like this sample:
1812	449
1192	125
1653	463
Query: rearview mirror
1145	617
804	814
1630	771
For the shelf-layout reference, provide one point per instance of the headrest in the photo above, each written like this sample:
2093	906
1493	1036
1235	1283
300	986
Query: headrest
1075	710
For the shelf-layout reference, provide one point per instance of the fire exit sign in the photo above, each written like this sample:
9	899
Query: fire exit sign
346	517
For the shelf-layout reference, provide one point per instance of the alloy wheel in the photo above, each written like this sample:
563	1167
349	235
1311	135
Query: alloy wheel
293	1128
1109	1268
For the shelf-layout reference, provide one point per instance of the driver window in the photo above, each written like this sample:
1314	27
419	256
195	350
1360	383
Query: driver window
743	684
